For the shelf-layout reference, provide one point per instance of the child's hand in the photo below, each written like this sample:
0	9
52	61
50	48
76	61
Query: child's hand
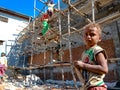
78	64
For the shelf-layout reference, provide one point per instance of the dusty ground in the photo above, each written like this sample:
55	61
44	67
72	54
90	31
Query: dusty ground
32	82
19	84
10	86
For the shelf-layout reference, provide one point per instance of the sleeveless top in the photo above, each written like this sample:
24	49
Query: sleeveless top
3	61
88	56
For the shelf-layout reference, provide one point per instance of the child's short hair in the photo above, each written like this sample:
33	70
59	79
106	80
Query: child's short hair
91	25
3	54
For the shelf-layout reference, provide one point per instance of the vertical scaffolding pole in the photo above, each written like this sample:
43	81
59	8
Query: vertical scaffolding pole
69	42
93	11
51	59
6	47
44	61
33	36
24	61
60	31
32	39
45	52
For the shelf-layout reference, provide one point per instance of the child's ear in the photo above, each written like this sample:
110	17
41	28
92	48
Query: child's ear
99	39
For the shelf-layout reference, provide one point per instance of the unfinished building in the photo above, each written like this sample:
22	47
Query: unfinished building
49	55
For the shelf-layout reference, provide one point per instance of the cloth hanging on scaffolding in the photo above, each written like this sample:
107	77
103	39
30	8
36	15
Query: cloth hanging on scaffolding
45	27
44	16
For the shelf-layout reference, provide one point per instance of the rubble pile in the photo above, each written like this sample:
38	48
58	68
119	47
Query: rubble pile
32	82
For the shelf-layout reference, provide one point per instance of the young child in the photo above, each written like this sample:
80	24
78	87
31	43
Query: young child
94	59
3	66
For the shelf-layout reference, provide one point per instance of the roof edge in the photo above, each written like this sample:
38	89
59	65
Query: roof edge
10	12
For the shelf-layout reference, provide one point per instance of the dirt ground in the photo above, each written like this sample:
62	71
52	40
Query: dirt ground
10	86
33	82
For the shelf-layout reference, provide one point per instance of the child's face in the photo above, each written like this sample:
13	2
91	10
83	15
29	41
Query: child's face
91	36
2	55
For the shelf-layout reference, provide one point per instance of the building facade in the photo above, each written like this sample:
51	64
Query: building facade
63	41
11	23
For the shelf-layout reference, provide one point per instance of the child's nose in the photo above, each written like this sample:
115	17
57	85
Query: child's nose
88	36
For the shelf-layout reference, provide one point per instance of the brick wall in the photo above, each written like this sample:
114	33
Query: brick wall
108	45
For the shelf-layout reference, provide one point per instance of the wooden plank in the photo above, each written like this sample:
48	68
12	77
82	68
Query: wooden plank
110	18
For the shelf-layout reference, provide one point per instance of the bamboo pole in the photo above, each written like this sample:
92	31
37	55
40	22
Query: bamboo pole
70	51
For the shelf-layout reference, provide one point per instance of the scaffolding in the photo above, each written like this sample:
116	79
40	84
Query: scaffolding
66	27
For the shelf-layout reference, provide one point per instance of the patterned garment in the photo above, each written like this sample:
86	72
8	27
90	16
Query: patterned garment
2	70
98	88
88	56
3	65
3	61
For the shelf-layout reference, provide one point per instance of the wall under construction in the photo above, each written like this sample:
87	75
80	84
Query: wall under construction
52	54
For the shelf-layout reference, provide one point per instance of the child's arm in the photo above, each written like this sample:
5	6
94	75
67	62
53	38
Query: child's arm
100	68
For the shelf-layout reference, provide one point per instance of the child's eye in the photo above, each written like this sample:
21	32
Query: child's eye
92	34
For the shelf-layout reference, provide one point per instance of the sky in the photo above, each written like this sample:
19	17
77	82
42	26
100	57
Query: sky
25	7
